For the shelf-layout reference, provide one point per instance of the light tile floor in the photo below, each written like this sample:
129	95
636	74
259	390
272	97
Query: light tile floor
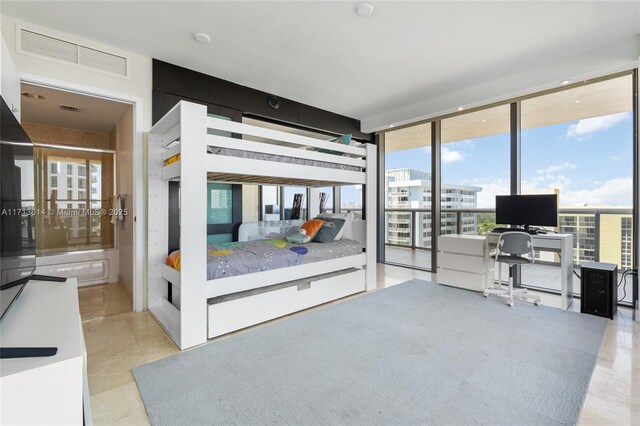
98	301
118	340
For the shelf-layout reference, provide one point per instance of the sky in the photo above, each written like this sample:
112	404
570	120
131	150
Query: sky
589	161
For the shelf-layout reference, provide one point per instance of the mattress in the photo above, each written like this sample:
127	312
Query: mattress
239	258
278	158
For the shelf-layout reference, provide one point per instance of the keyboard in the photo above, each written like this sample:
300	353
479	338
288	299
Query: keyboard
532	231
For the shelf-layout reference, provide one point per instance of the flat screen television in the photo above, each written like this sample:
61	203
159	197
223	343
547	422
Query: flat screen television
17	240
527	210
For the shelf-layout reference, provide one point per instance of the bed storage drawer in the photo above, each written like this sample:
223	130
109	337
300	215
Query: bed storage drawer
234	314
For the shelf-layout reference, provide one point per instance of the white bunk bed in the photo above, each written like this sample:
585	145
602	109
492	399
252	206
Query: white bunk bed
209	308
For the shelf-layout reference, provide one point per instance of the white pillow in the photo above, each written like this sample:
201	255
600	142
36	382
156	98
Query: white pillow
347	228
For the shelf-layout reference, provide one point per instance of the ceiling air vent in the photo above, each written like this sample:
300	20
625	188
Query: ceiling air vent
56	48
103	61
69	108
49	47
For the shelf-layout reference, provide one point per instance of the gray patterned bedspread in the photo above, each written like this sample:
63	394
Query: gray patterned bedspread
238	258
277	158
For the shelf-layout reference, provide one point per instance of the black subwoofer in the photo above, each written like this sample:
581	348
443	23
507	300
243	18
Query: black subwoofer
598	289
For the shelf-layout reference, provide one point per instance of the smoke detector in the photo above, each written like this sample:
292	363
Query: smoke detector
364	9
202	38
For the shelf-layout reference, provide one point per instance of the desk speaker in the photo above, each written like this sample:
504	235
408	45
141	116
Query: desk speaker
598	289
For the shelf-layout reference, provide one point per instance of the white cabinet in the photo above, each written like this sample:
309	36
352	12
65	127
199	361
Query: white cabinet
45	390
10	82
463	261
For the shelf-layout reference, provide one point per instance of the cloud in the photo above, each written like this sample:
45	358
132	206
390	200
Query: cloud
487	197
585	128
622	157
557	167
450	156
614	192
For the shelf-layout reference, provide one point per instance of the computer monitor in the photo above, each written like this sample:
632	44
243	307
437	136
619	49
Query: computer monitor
526	210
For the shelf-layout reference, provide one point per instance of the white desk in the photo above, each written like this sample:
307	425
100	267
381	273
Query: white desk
559	243
45	390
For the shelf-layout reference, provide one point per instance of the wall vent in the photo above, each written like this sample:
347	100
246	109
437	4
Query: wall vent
69	108
58	49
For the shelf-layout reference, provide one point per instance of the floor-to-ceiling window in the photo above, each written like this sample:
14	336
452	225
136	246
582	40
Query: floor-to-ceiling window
408	196
474	158
351	199
270	202
325	199
295	202
578	143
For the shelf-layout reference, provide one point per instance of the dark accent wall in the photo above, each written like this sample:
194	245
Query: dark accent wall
171	79
172	83
174	216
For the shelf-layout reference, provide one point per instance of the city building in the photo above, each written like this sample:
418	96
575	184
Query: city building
75	196
411	189
600	234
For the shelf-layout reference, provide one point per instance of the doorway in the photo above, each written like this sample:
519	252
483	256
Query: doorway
84	180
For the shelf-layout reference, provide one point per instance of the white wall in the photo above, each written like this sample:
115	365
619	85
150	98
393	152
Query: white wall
137	87
9	84
138	84
125	186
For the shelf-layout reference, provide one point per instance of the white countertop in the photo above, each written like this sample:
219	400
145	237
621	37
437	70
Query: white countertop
45	314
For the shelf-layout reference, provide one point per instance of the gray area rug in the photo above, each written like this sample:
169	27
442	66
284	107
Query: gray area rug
415	353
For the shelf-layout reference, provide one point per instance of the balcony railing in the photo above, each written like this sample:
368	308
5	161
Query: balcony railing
598	236
583	223
456	220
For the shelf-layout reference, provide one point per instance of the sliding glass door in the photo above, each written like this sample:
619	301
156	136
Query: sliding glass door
407	180
78	187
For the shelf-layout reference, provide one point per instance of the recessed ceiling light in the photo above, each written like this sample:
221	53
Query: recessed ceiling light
364	9
201	38
565	82
459	108
577	101
483	121
390	125
33	96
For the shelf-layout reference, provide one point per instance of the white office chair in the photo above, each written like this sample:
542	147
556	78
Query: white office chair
510	250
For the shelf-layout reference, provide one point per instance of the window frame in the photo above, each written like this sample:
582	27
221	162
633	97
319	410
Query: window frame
515	165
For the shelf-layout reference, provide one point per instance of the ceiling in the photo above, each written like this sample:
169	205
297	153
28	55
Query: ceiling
599	99
95	114
407	61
